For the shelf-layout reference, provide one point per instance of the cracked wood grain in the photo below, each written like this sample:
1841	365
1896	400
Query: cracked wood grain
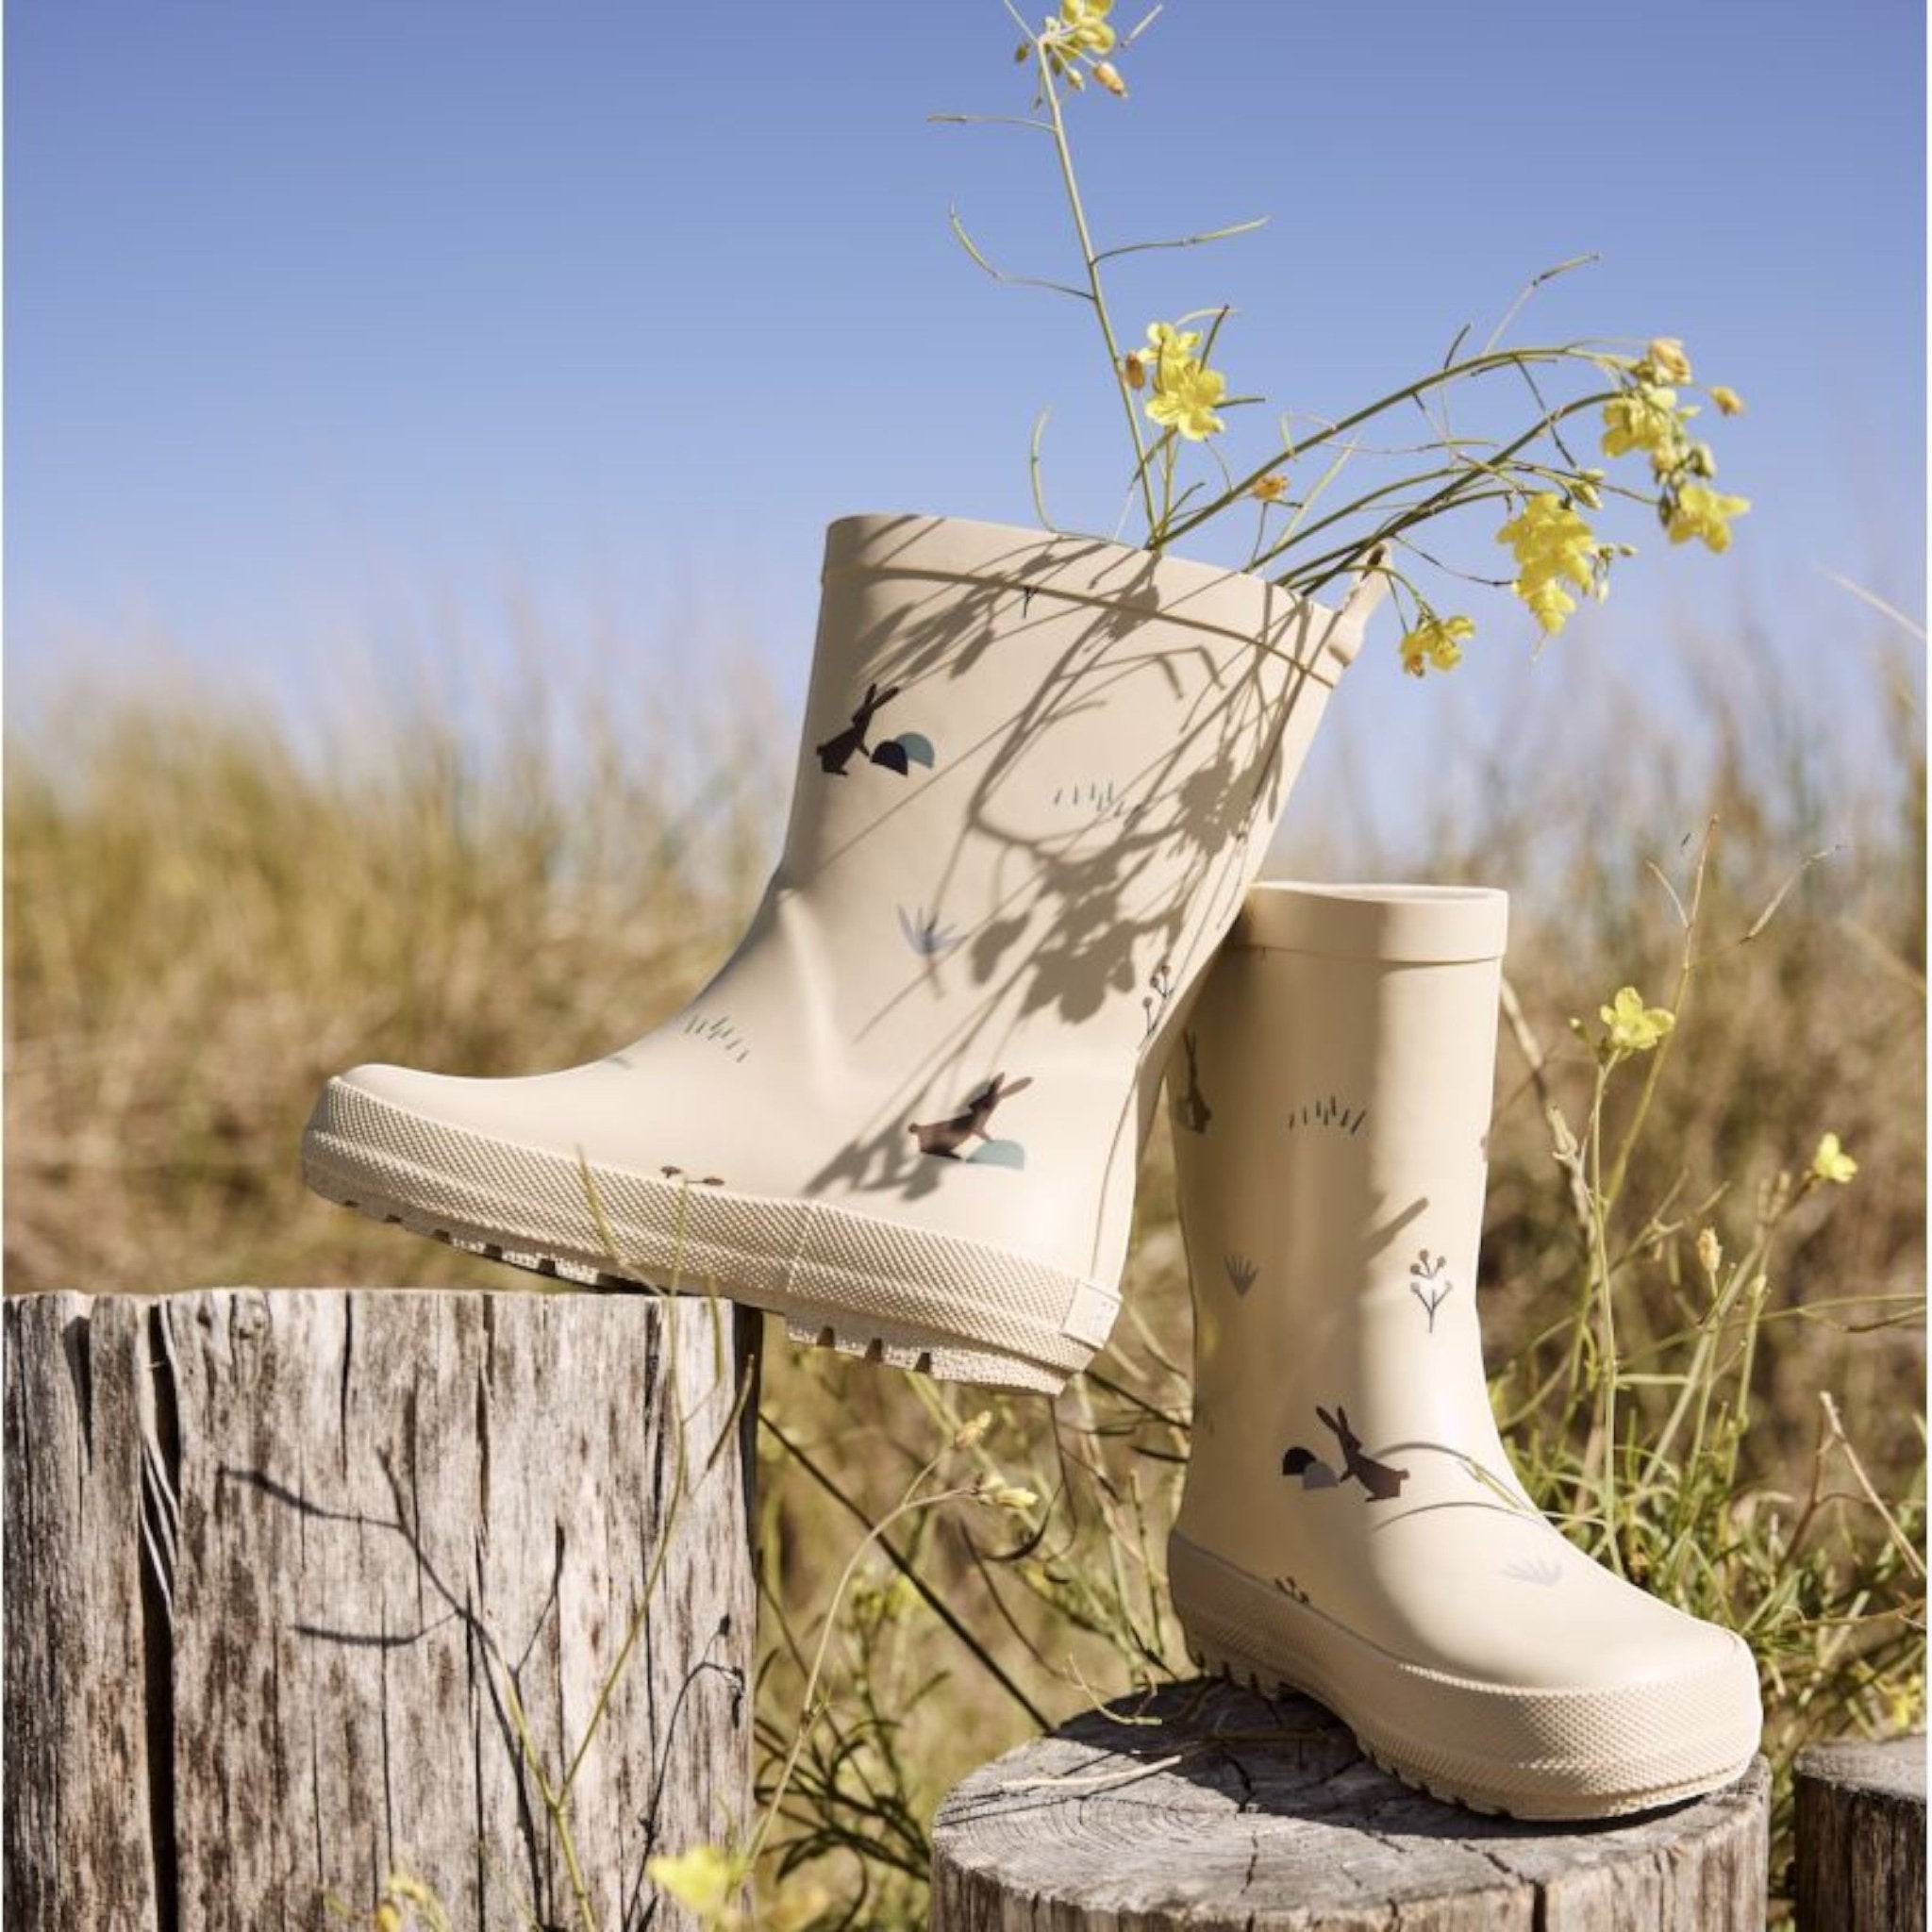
1861	1836
1229	1812
272	1561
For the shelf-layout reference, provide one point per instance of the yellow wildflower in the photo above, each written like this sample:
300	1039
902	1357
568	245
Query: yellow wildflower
1109	76
1729	403
1634	1027
1437	641
1642	418
1552	543
1832	1163
388	1916
1184	397
970	1434
875	1604
1271	489
1170	344
1549	604
705	1880
1008	1496
1667	356
1707	513
1083	24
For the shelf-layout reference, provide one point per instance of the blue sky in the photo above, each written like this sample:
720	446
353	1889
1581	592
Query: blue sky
372	321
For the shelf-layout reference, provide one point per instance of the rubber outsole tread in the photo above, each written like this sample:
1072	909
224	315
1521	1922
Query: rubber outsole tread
1268	1682
946	1363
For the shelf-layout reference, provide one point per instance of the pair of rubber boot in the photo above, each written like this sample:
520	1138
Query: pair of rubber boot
1036	783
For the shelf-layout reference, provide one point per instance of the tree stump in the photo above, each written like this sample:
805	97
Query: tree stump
1861	1837
1205	1807
292	1576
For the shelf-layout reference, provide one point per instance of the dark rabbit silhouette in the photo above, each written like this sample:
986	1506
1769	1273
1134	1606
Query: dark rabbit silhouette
944	1139
1192	1110
1382	1482
836	753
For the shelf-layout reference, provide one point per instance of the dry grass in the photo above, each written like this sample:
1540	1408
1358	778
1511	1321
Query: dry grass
207	914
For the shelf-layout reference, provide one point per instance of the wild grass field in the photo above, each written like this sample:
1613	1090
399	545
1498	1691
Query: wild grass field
210	908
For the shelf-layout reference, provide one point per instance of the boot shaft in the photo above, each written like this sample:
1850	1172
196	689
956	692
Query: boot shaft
1333	1098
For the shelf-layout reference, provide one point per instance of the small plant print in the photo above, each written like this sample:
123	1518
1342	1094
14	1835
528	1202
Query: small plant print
1381	1481
1429	1282
678	1173
944	1139
718	1028
1544	1573
1241	1272
1102	801
1289	1587
924	933
1329	1113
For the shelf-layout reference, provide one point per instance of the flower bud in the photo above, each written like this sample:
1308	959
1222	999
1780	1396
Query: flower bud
971	1432
1729	403
1668	358
1710	1252
1107	74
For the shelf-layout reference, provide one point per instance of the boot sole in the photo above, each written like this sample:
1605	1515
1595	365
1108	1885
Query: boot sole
1547	1755
868	1288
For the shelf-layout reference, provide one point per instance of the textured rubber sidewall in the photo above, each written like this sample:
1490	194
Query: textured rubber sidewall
1644	1745
808	1260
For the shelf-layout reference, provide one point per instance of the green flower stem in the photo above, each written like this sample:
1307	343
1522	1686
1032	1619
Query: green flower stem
1686	965
1092	261
908	1505
1476	365
905	1568
1464	476
1600	1269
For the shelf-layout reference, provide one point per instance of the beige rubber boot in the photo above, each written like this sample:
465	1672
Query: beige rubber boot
1351	1526
1035	777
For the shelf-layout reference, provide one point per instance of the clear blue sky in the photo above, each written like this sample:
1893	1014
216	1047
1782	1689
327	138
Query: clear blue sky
339	320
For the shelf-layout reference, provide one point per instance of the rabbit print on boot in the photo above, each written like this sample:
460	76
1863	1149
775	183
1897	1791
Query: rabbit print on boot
1036	776
1351	1527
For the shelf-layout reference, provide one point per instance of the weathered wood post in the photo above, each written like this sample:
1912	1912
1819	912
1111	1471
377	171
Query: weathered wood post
1861	1836
1209	1808
307	1587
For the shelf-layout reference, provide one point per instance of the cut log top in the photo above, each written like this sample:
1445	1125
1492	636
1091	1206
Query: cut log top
1894	1768
1205	1807
1861	1836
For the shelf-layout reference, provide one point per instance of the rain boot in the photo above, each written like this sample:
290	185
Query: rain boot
1351	1527
1036	776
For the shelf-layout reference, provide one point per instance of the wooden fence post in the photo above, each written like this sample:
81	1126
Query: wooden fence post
1205	1808
1861	1836
288	1574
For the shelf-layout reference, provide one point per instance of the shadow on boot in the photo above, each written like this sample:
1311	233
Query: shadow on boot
1036	776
